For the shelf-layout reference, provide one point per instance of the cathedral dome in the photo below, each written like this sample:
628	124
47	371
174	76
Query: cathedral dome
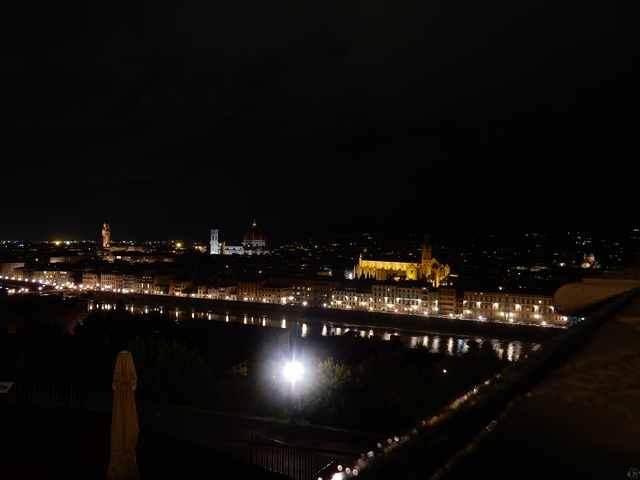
254	235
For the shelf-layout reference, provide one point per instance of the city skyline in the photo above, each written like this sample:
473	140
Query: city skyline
235	230
319	240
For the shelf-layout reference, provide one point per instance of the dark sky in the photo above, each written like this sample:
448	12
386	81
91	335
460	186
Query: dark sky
315	116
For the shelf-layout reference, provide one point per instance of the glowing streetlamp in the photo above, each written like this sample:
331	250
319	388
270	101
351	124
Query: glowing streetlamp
293	371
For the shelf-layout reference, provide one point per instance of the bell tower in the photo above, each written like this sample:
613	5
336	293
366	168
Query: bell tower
426	250
106	236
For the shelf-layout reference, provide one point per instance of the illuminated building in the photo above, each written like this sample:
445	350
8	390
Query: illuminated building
232	249
428	269
512	308
351	299
254	242
52	276
449	301
106	237
254	239
110	281
116	281
9	268
214	243
217	292
258	291
589	261
387	298
532	309
199	247
90	280
179	287
312	291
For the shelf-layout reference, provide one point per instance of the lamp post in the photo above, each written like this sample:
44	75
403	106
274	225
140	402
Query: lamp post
293	371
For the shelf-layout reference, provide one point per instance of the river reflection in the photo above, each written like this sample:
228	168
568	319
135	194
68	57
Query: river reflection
434	342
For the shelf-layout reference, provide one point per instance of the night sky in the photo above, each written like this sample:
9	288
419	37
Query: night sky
315	116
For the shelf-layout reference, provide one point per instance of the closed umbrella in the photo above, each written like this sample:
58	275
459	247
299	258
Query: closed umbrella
124	421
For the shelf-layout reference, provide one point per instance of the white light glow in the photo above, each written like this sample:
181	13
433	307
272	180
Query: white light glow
293	371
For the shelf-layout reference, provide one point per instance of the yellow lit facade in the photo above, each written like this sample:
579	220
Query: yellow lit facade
512	308
428	269
106	236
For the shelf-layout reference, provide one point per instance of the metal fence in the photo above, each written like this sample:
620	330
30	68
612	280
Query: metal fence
297	463
292	461
48	395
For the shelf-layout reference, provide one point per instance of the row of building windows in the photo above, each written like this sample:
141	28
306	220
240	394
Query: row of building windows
507	299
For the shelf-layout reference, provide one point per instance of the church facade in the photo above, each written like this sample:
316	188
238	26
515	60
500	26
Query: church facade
428	269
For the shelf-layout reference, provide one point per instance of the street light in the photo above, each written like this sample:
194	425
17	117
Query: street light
293	371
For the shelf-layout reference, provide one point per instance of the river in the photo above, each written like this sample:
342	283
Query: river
434	341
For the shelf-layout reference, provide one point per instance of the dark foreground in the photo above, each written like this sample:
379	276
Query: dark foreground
51	444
